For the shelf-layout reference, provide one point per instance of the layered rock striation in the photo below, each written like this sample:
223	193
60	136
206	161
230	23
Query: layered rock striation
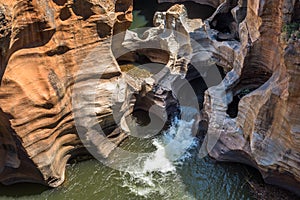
252	113
53	49
43	46
258	121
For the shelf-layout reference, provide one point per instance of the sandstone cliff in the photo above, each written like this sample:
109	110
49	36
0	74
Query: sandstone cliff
43	45
258	121
252	115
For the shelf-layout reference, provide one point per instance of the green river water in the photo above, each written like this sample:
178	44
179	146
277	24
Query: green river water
189	178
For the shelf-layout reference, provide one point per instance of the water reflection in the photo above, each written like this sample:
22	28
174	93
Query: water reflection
158	178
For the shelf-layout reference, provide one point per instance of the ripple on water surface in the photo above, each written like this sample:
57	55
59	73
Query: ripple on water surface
170	172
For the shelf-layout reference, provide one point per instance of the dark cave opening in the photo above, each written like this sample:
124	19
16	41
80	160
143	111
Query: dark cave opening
232	109
149	116
221	71
227	23
222	21
251	79
141	117
143	56
199	87
296	13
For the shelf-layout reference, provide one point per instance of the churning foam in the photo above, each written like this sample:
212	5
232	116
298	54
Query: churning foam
171	150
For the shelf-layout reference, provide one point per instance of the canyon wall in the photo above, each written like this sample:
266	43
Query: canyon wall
43	46
254	112
252	115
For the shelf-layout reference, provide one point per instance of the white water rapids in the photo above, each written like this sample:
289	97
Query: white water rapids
171	151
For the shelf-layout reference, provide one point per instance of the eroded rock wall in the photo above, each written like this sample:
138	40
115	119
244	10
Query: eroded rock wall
253	115
43	45
257	122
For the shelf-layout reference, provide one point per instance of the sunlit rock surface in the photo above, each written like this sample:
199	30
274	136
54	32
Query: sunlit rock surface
43	45
258	121
252	114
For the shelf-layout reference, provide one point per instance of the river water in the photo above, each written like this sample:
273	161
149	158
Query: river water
171	172
174	172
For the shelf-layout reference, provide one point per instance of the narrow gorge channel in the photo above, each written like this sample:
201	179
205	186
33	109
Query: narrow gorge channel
192	91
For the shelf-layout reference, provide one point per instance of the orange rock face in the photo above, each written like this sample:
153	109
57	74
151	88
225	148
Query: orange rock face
252	116
44	43
258	121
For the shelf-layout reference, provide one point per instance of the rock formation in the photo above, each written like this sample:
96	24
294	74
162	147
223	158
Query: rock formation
252	113
53	49
43	45
258	121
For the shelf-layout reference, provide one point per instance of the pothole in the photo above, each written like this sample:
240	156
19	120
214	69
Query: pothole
251	79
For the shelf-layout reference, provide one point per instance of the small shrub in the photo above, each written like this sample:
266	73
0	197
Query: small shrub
291	30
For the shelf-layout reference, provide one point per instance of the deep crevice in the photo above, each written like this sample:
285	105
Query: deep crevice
250	80
226	23
221	71
152	120
296	13
143	56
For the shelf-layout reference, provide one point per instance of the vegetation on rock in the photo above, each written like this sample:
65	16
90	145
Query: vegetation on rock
291	30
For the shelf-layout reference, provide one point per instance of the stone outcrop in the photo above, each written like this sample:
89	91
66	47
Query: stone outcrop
53	49
254	112
156	92
43	46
